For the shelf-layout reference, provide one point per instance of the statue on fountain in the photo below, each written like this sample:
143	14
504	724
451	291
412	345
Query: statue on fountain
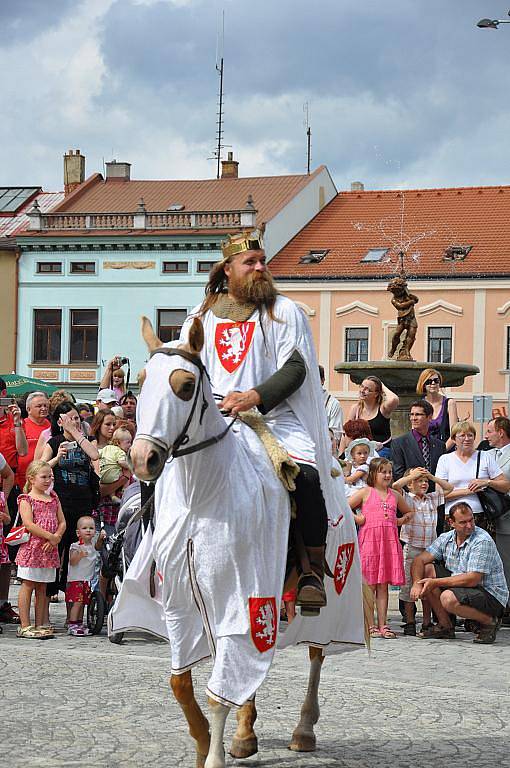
405	332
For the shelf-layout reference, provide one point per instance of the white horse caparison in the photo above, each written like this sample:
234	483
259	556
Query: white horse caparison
149	454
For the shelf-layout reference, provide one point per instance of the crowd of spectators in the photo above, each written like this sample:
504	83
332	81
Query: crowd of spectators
52	478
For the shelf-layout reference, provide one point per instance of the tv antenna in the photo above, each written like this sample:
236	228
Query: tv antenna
306	123
219	69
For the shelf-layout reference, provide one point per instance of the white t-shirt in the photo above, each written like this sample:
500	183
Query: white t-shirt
460	474
85	569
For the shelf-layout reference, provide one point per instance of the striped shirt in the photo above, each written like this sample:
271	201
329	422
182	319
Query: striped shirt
421	530
477	554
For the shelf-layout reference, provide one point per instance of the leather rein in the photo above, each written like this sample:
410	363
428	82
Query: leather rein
175	451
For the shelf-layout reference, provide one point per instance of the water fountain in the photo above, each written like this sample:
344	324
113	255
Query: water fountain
400	372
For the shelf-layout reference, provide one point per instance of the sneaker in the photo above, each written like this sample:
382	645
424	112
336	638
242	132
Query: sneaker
410	629
8	615
438	633
486	634
78	630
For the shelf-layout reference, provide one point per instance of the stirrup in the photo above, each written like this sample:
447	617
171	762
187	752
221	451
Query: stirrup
311	595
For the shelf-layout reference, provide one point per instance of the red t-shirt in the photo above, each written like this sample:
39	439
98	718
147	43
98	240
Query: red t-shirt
8	440
32	432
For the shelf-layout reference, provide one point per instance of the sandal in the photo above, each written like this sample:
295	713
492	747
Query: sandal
46	629
387	633
31	633
374	632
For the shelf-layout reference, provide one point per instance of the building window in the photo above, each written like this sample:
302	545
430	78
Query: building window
508	348
356	345
47	332
175	266
49	267
170	322
375	254
439	347
84	327
205	266
83	268
314	257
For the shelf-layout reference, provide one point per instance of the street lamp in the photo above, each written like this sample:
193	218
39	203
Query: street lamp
492	23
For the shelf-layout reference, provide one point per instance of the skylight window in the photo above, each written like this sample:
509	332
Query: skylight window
375	254
314	257
456	252
175	207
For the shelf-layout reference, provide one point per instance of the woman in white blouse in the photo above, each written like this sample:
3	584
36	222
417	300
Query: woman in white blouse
459	469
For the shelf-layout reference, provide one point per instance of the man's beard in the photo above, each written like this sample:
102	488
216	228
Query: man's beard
256	288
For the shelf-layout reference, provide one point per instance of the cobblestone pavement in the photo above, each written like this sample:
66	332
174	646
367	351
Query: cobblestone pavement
85	702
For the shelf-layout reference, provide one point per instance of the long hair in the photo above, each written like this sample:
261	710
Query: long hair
65	407
380	393
218	284
97	422
32	470
424	375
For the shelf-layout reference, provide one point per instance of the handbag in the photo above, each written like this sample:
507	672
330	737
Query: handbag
494	503
17	535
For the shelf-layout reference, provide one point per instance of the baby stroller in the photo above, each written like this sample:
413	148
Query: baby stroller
116	555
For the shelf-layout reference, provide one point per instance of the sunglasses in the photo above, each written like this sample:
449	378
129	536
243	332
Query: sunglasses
435	380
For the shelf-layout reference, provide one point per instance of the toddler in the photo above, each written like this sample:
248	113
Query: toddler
113	459
83	557
418	534
358	456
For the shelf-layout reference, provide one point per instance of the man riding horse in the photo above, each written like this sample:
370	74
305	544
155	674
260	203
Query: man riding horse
258	354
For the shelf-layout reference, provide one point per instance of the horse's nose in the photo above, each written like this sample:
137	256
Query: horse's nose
153	462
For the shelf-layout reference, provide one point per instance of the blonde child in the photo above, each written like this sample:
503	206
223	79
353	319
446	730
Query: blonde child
380	550
358	456
83	557
38	558
113	459
419	533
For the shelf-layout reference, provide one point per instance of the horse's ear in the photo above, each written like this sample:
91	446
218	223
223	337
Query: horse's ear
196	336
149	336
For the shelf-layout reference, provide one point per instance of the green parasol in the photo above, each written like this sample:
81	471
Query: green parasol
20	385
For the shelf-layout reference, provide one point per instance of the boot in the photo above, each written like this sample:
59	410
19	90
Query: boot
311	595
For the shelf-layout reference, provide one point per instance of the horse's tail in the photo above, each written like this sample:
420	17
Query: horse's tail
368	611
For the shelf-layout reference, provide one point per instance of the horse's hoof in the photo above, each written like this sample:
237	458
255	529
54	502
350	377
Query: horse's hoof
303	743
241	748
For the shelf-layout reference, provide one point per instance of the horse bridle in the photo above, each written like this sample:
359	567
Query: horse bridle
183	438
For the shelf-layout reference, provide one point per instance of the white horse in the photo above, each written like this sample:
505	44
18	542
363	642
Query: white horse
220	543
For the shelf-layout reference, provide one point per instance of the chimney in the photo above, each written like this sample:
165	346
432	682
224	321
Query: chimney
229	167
357	186
74	170
118	171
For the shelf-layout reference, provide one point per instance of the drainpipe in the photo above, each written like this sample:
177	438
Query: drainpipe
16	295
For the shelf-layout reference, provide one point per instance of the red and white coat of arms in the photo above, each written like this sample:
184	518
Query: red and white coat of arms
263	622
232	341
343	564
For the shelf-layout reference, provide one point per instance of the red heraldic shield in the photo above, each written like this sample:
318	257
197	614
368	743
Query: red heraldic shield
232	341
263	622
343	565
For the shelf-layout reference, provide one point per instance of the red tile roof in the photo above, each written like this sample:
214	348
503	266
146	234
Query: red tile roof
431	219
270	194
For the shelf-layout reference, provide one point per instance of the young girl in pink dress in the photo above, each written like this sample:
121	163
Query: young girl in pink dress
38	558
382	561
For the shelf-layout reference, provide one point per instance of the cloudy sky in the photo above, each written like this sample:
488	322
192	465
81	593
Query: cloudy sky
403	93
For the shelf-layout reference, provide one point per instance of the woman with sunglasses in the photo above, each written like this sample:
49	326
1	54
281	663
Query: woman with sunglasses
445	410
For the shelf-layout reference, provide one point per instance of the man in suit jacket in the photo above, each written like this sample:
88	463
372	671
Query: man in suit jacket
498	436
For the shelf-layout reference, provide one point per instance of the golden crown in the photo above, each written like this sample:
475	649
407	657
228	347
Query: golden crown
244	241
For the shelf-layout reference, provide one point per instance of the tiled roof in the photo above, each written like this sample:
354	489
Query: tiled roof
270	194
13	225
433	220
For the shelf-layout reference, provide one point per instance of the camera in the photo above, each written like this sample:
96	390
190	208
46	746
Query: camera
123	360
5	402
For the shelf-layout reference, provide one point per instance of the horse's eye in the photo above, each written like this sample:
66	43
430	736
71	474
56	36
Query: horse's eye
182	384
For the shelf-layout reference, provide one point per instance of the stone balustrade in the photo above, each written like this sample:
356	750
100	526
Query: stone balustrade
143	220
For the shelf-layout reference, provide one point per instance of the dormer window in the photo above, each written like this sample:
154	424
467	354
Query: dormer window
314	257
375	254
456	252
